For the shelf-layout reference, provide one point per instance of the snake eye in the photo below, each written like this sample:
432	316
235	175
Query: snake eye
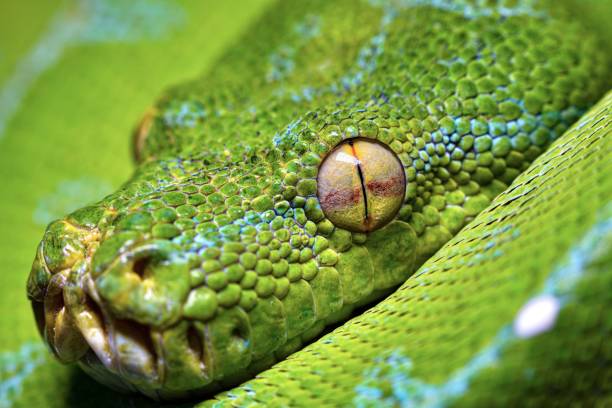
361	185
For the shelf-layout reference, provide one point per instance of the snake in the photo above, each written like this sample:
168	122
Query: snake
361	203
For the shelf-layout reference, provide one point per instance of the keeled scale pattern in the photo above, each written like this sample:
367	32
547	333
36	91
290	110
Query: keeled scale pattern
455	306
221	218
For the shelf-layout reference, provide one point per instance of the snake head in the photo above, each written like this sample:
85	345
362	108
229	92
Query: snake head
208	266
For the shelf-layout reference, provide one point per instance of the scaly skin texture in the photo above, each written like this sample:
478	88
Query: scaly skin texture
513	311
216	260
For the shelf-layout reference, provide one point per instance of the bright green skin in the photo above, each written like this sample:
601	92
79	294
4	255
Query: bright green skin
241	267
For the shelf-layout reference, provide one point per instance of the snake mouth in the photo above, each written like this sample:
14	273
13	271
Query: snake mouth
72	318
78	328
118	318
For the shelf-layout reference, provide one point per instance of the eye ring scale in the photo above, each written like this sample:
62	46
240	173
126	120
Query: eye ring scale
361	185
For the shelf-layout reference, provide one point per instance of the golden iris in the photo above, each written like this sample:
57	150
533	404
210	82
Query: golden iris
361	185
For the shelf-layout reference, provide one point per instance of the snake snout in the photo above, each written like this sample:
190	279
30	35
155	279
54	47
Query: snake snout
143	293
145	282
60	259
139	286
99	303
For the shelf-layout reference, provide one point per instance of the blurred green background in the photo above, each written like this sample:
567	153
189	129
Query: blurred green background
75	77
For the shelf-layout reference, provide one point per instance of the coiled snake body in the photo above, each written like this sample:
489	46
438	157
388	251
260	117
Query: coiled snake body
339	149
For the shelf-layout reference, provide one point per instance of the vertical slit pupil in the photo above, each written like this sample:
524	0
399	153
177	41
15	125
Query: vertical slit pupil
361	180
361	169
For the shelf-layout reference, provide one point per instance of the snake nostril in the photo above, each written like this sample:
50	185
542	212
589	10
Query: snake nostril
146	282
140	266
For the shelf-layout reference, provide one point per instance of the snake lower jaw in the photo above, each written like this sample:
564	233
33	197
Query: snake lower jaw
86	313
116	352
72	318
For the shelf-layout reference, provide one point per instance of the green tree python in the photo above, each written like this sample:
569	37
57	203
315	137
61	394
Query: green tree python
341	150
